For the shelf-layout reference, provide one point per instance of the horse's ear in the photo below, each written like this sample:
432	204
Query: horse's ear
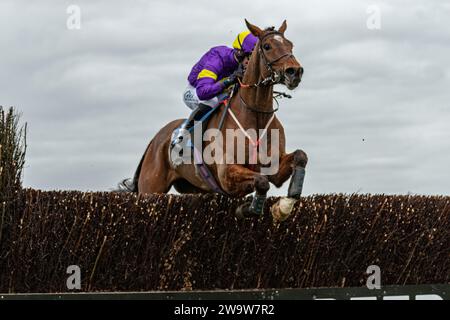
283	27
253	29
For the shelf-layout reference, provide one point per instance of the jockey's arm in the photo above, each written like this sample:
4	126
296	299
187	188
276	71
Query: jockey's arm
208	85
207	88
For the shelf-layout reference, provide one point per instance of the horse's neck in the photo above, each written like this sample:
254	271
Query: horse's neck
260	98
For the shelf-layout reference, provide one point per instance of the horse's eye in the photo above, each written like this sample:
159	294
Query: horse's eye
267	46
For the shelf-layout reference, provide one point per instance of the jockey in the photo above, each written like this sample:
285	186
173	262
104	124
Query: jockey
212	75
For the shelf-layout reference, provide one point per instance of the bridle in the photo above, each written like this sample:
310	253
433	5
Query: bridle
273	77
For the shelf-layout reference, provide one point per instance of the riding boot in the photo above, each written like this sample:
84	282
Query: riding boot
196	115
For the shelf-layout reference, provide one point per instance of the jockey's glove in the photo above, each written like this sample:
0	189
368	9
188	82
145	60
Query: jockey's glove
232	79
240	71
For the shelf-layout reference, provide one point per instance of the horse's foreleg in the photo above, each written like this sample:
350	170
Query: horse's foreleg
284	171
291	165
237	180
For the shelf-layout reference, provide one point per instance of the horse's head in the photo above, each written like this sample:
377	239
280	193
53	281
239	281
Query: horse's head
276	57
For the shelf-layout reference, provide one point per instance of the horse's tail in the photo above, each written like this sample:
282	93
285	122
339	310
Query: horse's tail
131	184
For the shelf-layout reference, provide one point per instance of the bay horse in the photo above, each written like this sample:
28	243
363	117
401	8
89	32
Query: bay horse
271	62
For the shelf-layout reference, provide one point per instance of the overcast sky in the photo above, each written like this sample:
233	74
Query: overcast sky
372	111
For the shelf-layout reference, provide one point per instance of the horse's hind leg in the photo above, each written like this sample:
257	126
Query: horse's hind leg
153	181
291	165
156	175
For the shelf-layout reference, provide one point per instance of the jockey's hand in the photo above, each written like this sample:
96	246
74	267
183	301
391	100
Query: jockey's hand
240	71
232	79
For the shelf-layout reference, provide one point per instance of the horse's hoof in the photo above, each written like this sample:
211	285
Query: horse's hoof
282	209
245	211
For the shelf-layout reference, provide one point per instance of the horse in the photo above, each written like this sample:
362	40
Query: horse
251	107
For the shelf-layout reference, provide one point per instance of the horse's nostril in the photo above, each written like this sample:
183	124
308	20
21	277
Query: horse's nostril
290	71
